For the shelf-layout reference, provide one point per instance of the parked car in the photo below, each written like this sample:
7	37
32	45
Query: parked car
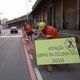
13	30
0	31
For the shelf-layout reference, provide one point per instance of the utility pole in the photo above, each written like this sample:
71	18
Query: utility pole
27	8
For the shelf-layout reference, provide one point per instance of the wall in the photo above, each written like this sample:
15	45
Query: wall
70	14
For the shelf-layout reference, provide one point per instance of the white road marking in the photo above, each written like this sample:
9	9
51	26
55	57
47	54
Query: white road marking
6	34
32	73
39	77
10	36
31	57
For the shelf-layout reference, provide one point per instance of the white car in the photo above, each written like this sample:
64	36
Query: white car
13	30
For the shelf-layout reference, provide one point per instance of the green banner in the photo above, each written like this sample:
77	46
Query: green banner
57	51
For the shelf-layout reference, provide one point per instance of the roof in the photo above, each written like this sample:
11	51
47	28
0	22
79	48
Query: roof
36	4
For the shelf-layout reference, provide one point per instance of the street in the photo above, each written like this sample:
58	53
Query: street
13	65
18	61
40	40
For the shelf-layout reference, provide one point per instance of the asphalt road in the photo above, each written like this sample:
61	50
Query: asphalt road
13	65
58	72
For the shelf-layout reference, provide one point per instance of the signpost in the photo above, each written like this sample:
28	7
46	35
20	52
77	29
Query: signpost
57	51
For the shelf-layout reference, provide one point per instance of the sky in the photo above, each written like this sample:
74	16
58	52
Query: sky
11	9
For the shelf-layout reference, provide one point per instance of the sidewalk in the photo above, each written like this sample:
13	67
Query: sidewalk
58	72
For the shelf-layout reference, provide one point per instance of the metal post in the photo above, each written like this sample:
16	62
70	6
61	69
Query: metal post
78	14
53	13
62	14
27	8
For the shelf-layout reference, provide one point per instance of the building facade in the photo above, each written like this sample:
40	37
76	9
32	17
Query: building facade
63	14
